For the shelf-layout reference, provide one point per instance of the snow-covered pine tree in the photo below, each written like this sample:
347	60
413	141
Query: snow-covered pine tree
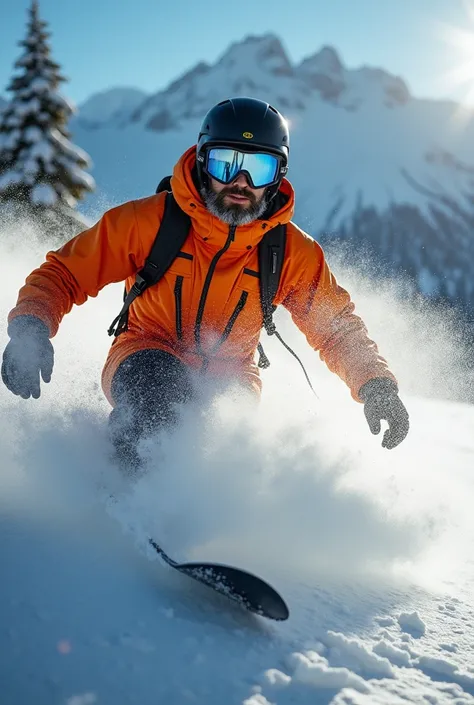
40	168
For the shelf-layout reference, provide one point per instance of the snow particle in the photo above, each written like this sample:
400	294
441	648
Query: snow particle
85	699
385	621
399	657
412	623
64	647
276	678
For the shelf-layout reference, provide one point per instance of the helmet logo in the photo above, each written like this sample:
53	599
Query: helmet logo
247	135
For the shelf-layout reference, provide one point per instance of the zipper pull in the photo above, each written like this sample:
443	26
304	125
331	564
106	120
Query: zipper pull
274	259
232	229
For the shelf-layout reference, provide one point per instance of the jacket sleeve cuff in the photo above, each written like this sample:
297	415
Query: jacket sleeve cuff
27	325
377	385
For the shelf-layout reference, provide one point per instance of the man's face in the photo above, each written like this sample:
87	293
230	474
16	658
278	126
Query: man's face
238	192
236	203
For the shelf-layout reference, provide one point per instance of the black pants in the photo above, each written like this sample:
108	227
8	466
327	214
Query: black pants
147	389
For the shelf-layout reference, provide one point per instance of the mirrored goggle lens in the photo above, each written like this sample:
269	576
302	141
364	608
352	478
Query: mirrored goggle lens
225	164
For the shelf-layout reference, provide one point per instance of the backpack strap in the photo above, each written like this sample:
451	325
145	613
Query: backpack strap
172	233
164	185
271	254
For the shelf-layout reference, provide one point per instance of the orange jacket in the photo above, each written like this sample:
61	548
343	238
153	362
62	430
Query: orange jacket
175	315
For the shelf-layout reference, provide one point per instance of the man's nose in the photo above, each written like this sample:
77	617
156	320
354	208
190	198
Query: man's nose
241	181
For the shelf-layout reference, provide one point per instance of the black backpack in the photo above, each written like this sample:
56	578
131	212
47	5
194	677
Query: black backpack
171	236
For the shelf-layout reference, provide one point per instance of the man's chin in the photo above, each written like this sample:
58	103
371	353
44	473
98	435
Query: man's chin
230	211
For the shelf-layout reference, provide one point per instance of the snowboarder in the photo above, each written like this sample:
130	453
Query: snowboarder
205	313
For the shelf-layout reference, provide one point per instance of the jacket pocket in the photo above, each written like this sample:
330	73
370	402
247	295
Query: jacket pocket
230	324
178	291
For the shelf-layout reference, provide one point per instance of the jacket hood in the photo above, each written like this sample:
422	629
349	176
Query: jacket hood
210	228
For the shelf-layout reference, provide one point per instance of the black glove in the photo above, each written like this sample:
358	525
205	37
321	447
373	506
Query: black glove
381	401
28	354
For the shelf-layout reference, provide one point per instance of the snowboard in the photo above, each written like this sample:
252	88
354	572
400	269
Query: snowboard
238	585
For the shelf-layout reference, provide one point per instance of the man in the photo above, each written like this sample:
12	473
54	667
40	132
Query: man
204	315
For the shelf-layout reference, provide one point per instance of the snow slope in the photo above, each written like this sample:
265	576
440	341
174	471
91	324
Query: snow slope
372	549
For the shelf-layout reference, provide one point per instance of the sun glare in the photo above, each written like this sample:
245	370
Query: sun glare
461	40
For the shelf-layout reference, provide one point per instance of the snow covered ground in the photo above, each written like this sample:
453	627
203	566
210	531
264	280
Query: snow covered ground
372	549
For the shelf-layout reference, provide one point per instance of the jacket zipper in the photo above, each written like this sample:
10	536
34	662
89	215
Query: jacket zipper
227	330
178	288
205	288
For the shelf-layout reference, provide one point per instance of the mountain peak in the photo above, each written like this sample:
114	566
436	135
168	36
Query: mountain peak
326	61
266	51
259	66
349	88
324	72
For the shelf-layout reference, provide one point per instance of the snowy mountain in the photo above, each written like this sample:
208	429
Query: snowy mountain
372	549
109	106
260	65
372	165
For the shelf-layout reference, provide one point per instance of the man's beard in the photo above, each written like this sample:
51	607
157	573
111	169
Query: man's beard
234	214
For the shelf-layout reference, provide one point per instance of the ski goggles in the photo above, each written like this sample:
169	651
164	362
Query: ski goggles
261	169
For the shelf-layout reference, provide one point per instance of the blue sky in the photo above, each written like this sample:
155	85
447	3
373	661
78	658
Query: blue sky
148	43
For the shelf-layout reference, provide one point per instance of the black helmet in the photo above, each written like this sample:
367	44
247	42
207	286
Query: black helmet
247	123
